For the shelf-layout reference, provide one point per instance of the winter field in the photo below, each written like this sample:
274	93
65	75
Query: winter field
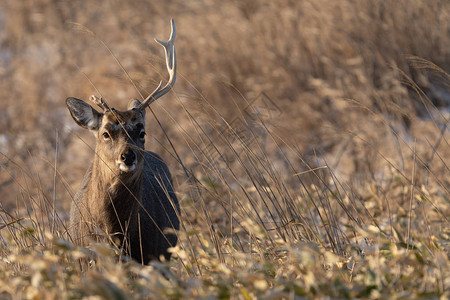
308	142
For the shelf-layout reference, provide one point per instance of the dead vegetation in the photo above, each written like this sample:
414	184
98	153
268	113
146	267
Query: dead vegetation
308	141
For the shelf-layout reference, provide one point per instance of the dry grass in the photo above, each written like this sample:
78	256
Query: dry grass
308	141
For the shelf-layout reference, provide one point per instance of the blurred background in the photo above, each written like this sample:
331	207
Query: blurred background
360	87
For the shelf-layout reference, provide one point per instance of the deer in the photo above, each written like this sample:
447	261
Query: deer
127	192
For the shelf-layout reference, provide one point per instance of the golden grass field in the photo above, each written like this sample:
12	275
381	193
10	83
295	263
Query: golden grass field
308	141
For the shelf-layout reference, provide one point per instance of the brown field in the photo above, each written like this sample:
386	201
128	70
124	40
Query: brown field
308	141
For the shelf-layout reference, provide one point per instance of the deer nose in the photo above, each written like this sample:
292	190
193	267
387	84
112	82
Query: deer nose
128	157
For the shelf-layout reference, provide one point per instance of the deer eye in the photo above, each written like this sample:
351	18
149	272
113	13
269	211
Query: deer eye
106	135
142	135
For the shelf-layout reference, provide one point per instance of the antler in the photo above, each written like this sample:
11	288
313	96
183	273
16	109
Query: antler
171	63
100	102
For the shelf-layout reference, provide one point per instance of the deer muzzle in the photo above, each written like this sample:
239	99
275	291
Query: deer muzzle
127	161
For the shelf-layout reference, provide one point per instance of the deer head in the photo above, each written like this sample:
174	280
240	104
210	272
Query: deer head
121	134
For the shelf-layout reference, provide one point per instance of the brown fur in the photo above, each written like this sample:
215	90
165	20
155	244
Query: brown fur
110	200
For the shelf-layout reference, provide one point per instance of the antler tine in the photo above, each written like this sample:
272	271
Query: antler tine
100	103
171	64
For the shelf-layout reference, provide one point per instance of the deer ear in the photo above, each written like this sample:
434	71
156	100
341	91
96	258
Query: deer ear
135	104
84	114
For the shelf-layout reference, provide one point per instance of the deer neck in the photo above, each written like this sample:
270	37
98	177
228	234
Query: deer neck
114	196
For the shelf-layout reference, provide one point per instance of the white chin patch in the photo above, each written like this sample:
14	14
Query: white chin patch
124	168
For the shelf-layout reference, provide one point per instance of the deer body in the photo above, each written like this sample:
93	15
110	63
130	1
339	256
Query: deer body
127	193
111	207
